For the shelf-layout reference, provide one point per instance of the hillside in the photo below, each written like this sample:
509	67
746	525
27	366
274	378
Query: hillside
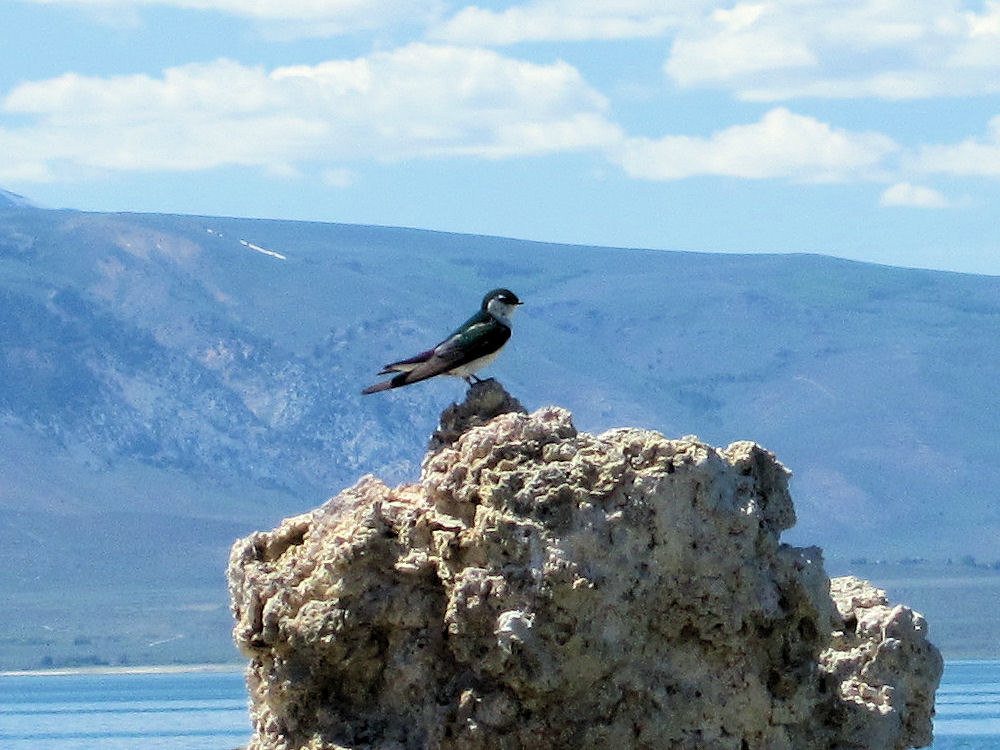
168	383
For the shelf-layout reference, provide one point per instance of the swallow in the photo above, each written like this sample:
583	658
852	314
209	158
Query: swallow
470	348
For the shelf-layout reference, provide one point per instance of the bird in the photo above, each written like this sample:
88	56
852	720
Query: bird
472	346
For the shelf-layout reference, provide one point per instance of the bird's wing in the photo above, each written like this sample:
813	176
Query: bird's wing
441	358
460	348
405	365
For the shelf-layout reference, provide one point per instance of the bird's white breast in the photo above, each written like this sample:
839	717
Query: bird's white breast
469	368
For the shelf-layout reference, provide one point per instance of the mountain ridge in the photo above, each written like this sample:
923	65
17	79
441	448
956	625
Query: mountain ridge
214	352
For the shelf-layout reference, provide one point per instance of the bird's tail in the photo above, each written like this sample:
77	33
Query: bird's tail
385	385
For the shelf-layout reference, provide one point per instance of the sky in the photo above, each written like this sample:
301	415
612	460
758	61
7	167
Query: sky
864	129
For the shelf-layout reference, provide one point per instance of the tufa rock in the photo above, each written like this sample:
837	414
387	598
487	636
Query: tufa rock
545	588
485	400
884	669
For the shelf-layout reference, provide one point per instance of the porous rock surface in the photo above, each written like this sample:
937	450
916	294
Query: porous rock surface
541	587
884	669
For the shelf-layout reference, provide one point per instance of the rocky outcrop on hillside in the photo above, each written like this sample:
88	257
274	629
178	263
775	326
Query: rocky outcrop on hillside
540	587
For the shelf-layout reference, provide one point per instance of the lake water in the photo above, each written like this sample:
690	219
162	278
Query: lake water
968	707
184	711
208	710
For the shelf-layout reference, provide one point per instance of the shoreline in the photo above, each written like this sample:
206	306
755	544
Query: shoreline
137	669
235	668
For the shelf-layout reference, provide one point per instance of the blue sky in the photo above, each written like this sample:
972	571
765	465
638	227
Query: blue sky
865	129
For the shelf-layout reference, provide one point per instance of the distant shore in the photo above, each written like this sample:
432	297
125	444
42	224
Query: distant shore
137	669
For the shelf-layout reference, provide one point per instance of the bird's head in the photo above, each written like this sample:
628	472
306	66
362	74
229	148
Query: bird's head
501	304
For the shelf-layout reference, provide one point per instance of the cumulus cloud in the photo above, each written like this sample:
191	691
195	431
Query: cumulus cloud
775	50
892	49
971	157
416	101
737	43
560	20
781	144
916	196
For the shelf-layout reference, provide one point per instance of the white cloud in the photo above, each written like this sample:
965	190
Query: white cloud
892	49
762	50
916	196
736	43
419	101
985	24
560	20
415	101
338	177
971	157
781	145
773	50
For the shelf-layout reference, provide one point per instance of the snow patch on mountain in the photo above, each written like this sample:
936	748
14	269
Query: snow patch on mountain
263	250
